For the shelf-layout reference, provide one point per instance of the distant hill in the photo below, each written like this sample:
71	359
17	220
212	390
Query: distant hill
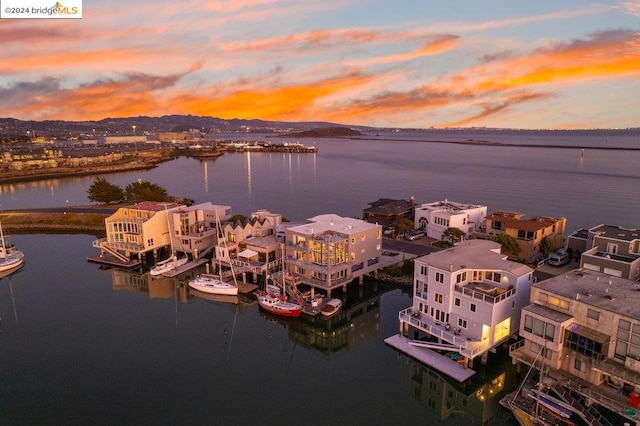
151	125
326	132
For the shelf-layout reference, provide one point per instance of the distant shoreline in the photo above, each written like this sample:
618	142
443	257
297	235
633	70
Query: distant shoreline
477	142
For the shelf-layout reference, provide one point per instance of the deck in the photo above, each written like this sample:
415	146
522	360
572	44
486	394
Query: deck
186	267
431	358
109	260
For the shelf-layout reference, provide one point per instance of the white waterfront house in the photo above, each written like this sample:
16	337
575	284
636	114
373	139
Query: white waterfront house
436	217
330	251
468	297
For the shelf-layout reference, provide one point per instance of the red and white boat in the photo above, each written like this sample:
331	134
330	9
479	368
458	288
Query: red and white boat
278	305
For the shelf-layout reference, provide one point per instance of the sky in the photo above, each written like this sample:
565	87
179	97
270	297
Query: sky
402	64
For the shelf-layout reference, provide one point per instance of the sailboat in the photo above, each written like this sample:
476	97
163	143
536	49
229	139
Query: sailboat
173	262
276	302
208	283
10	257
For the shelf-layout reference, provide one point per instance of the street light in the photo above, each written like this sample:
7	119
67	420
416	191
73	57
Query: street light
135	142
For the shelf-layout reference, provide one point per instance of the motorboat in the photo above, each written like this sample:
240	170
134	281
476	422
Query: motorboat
331	307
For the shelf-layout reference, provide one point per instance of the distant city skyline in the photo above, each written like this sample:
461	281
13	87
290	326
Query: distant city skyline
405	64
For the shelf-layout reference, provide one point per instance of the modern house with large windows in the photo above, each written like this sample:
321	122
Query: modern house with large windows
329	251
582	329
529	233
437	217
467	297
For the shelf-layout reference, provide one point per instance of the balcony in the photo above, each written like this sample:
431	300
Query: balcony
485	292
468	345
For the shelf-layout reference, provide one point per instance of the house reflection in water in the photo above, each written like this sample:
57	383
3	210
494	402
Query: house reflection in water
474	400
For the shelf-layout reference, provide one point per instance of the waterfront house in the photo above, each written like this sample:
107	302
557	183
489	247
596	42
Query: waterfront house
582	328
250	246
529	233
329	251
437	217
386	211
613	250
193	228
468	297
134	230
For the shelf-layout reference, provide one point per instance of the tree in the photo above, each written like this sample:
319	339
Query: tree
546	246
402	225
143	190
509	245
238	218
102	191
453	235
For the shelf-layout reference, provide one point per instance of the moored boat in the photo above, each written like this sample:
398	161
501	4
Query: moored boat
167	265
212	285
278	305
10	257
331	307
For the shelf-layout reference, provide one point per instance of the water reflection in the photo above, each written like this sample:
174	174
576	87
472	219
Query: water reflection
475	400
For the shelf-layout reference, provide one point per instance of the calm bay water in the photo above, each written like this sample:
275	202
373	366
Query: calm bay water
83	345
597	186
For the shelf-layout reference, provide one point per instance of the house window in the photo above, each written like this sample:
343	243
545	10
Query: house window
539	327
472	307
437	297
424	270
536	348
612	248
583	345
456	301
439	277
362	237
628	340
353	240
496	225
461	277
462	323
580	366
593	314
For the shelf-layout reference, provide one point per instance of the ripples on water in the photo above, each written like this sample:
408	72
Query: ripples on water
588	188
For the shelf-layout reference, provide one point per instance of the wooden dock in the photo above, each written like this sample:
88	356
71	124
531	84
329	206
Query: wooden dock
186	267
109	260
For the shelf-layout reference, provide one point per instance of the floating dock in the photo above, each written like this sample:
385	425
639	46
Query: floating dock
431	358
184	268
109	260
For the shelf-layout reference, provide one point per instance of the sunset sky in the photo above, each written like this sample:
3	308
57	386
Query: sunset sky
406	64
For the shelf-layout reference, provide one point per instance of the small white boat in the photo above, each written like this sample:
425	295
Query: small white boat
212	285
167	265
331	307
10	257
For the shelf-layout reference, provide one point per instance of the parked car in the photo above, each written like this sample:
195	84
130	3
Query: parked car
559	258
415	235
388	230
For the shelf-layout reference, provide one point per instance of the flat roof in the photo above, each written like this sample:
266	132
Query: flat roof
616	232
474	254
599	290
545	312
333	222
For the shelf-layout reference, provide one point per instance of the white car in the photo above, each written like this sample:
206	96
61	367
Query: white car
415	235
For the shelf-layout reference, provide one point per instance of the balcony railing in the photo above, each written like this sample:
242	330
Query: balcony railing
479	295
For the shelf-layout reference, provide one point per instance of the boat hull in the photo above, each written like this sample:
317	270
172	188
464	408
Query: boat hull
168	265
213	286
11	261
274	305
